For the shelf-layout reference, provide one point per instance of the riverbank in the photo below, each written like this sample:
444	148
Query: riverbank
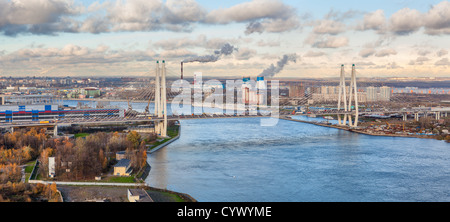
173	134
359	131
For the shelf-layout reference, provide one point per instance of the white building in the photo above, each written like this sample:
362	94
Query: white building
51	167
375	94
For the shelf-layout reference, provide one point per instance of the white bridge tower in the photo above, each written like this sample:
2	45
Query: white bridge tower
161	99
353	96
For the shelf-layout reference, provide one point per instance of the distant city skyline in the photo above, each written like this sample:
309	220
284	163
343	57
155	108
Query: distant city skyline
124	37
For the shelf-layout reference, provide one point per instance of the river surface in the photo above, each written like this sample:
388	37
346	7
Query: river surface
231	160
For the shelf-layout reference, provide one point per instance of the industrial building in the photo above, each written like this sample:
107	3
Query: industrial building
52	112
254	92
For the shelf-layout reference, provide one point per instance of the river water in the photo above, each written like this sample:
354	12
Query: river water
230	160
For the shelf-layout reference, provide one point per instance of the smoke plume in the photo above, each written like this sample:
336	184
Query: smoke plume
272	70
226	49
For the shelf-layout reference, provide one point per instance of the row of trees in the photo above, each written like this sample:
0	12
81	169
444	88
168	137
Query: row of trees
85	158
21	192
16	149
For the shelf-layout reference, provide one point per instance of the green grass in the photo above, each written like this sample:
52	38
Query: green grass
29	166
118	179
174	197
81	135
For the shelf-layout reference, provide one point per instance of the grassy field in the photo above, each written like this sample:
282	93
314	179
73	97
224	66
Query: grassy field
28	169
81	135
118	179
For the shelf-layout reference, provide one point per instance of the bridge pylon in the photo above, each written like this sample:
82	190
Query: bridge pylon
353	96
161	99
342	97
354	91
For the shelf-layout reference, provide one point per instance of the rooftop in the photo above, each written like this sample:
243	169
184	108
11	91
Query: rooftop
143	195
123	163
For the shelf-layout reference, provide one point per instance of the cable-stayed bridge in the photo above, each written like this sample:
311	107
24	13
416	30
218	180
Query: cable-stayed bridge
158	93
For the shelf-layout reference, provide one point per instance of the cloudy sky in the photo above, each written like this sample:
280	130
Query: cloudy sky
398	38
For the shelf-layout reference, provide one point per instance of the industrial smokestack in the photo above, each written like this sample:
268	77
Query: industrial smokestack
181	70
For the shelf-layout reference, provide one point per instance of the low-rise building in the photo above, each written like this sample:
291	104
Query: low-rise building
120	155
123	168
138	195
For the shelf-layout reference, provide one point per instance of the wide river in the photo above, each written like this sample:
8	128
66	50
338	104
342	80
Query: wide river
230	160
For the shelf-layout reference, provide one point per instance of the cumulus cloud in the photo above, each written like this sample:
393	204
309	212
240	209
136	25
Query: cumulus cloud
181	42
419	61
329	27
261	16
366	52
72	54
437	19
37	16
442	62
263	43
373	21
313	54
405	21
442	52
393	65
331	42
245	53
385	52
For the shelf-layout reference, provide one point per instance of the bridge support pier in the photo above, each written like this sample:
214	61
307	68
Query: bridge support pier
55	130
405	117
416	116
438	115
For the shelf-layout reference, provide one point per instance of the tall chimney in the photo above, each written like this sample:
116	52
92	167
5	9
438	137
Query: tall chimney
181	70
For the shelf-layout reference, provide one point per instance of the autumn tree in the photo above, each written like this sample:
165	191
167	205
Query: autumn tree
135	139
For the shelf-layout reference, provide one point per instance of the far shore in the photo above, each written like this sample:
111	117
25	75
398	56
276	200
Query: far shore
359	131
